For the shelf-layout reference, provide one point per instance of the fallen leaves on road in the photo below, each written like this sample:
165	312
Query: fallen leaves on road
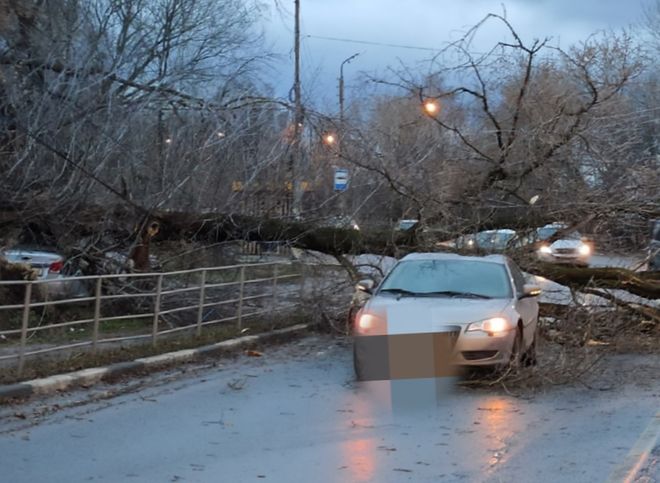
253	353
237	384
385	448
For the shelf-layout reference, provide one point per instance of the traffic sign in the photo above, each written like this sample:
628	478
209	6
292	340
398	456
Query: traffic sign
341	179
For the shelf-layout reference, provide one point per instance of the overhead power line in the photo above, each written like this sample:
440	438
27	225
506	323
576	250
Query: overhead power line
368	42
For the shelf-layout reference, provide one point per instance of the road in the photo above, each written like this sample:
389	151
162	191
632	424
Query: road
616	260
295	414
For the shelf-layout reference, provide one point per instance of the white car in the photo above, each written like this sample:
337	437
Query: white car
570	248
406	224
482	306
47	265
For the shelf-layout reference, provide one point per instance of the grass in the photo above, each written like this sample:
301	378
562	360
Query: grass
82	359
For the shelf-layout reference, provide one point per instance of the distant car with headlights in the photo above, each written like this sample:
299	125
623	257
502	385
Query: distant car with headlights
340	221
488	241
482	305
570	248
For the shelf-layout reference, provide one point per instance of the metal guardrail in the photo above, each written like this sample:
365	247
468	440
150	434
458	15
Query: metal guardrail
251	285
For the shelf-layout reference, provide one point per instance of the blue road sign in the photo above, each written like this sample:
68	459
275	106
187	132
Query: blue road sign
341	179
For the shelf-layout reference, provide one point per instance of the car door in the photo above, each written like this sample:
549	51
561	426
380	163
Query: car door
527	307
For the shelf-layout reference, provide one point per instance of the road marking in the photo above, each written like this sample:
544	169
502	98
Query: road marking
628	470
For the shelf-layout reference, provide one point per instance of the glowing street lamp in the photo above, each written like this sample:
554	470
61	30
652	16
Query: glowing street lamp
329	139
431	107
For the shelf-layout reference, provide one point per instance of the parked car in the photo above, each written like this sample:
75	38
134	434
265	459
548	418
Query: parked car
569	248
340	221
654	246
47	265
406	224
488	241
483	304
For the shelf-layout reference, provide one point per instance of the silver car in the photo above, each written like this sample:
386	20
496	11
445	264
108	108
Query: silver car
47	265
571	248
482	306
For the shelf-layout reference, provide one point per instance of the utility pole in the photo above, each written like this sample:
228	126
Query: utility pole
295	161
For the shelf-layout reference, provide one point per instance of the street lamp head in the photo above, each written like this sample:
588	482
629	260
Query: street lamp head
168	140
329	139
431	107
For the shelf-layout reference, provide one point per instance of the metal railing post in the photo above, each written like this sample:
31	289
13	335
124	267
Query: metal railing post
239	314
97	313
274	301
303	279
24	327
159	289
200	312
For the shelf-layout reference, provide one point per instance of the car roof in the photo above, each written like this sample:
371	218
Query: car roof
556	224
501	259
500	230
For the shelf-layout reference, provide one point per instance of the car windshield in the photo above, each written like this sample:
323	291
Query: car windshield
470	278
407	224
494	239
548	231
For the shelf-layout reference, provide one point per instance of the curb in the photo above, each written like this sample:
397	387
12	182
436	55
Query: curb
87	377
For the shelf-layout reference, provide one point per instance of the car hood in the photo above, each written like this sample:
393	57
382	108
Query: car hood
409	315
566	244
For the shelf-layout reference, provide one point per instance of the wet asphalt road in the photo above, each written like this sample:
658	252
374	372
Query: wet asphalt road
295	414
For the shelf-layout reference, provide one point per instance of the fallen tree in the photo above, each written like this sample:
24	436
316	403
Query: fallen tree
643	284
218	227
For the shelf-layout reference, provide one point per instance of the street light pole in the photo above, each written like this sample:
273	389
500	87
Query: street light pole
341	92
340	136
295	193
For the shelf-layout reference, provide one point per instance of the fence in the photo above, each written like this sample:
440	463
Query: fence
147	305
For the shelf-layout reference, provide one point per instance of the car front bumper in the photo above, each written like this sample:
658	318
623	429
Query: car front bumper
481	349
564	258
433	354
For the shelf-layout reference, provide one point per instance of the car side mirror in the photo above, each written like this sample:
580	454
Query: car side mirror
366	286
530	290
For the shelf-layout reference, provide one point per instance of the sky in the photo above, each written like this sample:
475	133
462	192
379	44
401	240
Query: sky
420	23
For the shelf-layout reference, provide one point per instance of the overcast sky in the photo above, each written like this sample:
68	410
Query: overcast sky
422	23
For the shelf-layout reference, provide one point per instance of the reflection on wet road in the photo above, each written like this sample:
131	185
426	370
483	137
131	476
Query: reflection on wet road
298	416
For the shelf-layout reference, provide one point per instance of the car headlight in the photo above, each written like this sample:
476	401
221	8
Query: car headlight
584	249
494	326
367	323
545	249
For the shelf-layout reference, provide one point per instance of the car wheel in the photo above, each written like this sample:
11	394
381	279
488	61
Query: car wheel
529	357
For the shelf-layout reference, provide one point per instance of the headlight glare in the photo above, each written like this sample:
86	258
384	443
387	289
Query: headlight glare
584	249
492	326
545	249
367	322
